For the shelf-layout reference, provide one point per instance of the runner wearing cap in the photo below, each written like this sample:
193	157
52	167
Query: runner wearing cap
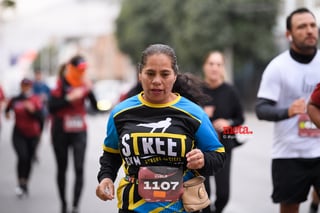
69	128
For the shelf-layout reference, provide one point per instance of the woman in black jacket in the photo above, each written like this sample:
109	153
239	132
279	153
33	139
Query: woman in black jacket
225	112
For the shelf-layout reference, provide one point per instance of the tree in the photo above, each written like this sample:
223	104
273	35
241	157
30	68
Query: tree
7	3
4	5
140	24
194	27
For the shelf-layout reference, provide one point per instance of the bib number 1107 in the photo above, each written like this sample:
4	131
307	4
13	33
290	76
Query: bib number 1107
163	186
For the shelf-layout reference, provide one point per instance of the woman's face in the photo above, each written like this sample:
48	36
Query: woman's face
213	67
157	78
26	89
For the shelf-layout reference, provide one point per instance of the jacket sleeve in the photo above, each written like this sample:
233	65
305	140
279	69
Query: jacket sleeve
9	106
56	103
38	113
214	162
109	166
267	110
93	101
57	99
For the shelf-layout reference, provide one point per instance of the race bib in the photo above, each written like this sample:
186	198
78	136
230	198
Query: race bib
73	123
306	127
160	183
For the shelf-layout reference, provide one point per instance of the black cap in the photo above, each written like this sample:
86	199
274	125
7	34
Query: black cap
79	62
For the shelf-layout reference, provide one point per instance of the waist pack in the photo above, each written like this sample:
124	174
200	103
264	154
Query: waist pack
195	196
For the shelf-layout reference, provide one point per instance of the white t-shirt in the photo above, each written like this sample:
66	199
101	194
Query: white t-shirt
283	81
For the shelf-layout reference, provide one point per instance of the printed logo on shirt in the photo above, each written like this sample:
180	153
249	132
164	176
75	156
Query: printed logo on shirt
158	125
147	148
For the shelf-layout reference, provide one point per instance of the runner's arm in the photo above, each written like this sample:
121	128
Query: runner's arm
314	113
214	162
93	101
267	110
109	166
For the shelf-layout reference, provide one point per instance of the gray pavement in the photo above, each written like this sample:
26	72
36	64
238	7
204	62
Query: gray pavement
251	176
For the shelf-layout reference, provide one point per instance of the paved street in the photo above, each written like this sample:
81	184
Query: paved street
251	177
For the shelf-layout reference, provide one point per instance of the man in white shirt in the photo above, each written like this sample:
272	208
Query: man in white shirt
285	88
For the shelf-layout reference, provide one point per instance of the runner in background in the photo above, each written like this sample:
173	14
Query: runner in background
41	89
225	112
313	109
285	87
69	127
27	109
2	103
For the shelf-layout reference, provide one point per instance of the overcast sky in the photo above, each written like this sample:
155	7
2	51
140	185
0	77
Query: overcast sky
27	7
37	21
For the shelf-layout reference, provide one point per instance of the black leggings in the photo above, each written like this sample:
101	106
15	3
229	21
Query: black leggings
25	149
222	180
61	143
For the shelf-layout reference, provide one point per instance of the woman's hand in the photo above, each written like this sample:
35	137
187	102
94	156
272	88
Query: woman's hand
76	93
29	106
195	159
7	114
220	123
105	189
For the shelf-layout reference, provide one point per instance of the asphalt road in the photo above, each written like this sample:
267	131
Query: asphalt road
251	176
